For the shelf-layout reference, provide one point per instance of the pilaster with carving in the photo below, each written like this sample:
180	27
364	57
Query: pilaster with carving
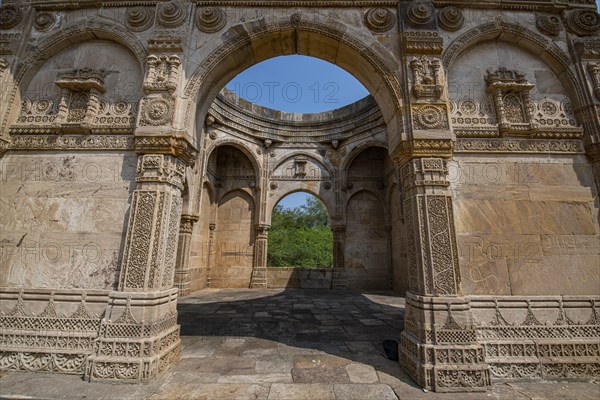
259	268
339	279
182	268
438	347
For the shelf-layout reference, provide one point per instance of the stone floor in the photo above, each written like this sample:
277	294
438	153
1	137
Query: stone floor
282	344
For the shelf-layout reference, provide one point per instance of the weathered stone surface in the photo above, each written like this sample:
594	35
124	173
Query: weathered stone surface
467	180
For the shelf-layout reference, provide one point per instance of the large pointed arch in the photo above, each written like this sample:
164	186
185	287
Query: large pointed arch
308	34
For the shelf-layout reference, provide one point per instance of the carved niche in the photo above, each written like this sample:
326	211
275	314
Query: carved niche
162	73
510	92
80	97
427	78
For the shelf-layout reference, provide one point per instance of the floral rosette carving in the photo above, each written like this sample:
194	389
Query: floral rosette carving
139	19
211	19
171	15
157	111
584	22
451	18
549	24
431	117
10	16
43	21
379	20
420	14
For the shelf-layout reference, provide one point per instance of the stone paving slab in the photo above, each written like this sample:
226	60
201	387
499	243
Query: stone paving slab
247	352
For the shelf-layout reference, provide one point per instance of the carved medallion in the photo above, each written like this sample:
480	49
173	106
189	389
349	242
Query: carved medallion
583	22
420	14
451	18
171	15
431	117
211	19
139	19
379	19
549	24
157	111
10	16
44	21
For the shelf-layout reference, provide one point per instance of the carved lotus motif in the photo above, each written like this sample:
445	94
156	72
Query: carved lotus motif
211	19
420	14
44	21
171	15
10	16
584	22
379	19
139	19
451	18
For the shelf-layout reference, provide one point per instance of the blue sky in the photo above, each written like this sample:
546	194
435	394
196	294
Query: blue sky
298	84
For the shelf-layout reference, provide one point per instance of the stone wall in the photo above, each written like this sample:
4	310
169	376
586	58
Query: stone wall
485	210
306	278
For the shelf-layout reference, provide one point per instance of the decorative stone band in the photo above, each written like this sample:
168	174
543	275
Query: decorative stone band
138	338
51	331
441	148
519	146
439	348
549	337
172	145
70	142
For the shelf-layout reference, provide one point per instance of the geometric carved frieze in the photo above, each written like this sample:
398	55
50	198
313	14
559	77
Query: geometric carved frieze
423	42
519	146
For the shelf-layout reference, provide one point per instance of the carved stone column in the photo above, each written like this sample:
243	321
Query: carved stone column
339	278
139	336
259	269
210	253
182	268
438	347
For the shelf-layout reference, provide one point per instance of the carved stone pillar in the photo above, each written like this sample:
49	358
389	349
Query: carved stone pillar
259	268
182	268
210	253
438	347
139	336
339	278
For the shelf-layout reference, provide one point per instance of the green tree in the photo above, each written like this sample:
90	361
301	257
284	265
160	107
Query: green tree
301	236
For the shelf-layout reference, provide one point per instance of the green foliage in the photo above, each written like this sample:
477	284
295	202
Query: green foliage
301	236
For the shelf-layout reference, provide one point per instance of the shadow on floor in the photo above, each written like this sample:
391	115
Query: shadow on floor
288	327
